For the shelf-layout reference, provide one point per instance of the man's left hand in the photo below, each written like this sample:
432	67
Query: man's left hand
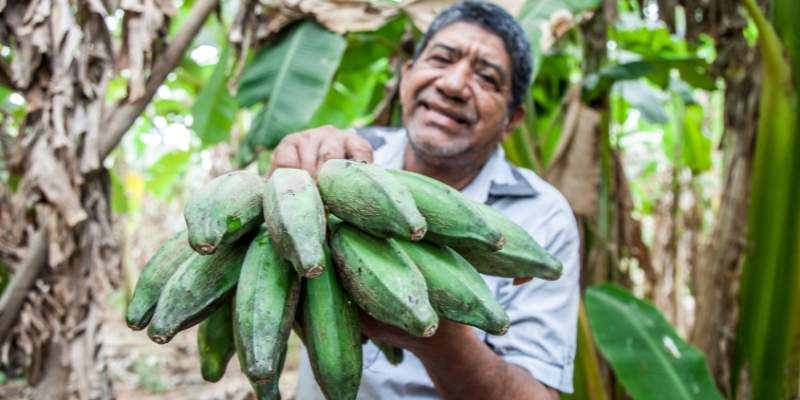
448	331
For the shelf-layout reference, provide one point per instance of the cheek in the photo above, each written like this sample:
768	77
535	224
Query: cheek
493	110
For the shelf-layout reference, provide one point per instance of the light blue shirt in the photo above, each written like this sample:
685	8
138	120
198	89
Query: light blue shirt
543	314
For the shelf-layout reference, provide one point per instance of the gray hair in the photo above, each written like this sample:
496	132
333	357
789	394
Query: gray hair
494	19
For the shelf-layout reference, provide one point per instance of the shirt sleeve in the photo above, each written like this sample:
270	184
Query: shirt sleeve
544	314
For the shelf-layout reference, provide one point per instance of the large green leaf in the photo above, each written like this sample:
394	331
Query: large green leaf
215	109
643	349
348	100
363	72
291	77
535	13
767	352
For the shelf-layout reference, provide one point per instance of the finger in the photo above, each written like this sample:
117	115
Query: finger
308	150
329	149
522	280
358	149
285	156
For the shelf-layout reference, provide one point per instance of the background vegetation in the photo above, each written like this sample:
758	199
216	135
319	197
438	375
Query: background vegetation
670	125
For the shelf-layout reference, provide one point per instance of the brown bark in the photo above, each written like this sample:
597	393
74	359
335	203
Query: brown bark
50	316
720	264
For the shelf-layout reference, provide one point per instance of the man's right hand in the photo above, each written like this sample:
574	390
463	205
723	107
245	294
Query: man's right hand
310	148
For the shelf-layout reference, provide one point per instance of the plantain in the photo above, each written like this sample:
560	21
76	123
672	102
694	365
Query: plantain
383	280
455	289
196	290
266	299
452	218
224	210
370	198
295	218
393	354
331	334
158	269
215	343
521	256
270	390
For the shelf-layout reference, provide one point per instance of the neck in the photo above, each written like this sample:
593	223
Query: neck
456	175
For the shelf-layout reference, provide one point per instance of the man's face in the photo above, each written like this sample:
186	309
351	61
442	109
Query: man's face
455	95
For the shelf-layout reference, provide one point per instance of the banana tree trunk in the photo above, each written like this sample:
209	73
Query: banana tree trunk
722	258
62	57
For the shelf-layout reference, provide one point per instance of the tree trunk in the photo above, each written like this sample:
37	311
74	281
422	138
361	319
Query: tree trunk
51	314
718	272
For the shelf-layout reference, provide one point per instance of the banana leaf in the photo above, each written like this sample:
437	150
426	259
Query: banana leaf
214	110
290	76
644	350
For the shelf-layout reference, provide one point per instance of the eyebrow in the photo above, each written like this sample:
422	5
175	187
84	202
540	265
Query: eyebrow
481	60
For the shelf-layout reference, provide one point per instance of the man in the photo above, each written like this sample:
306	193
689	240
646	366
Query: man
461	96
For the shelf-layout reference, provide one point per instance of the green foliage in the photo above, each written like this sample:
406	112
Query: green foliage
647	355
164	172
768	336
693	70
684	142
119	199
215	109
358	85
290	76
643	97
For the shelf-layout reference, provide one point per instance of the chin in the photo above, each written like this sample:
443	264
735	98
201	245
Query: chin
437	146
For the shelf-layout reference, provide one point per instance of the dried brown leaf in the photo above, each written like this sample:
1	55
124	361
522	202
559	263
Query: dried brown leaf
575	167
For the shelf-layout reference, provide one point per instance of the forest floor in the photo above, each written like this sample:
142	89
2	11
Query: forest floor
143	370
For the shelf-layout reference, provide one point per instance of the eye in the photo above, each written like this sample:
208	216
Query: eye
439	59
490	80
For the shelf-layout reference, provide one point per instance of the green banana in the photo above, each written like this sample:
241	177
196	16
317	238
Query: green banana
455	289
271	390
215	343
266	299
370	198
332	335
452	219
295	218
223	210
383	280
520	257
196	290
393	354
158	269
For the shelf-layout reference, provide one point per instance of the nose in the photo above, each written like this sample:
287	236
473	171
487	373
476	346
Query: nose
453	82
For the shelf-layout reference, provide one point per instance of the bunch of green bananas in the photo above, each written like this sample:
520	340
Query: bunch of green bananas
260	257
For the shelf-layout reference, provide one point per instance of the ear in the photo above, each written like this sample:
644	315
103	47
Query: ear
514	121
406	67
403	72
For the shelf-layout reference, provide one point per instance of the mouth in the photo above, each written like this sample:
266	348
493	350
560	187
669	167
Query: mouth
448	113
